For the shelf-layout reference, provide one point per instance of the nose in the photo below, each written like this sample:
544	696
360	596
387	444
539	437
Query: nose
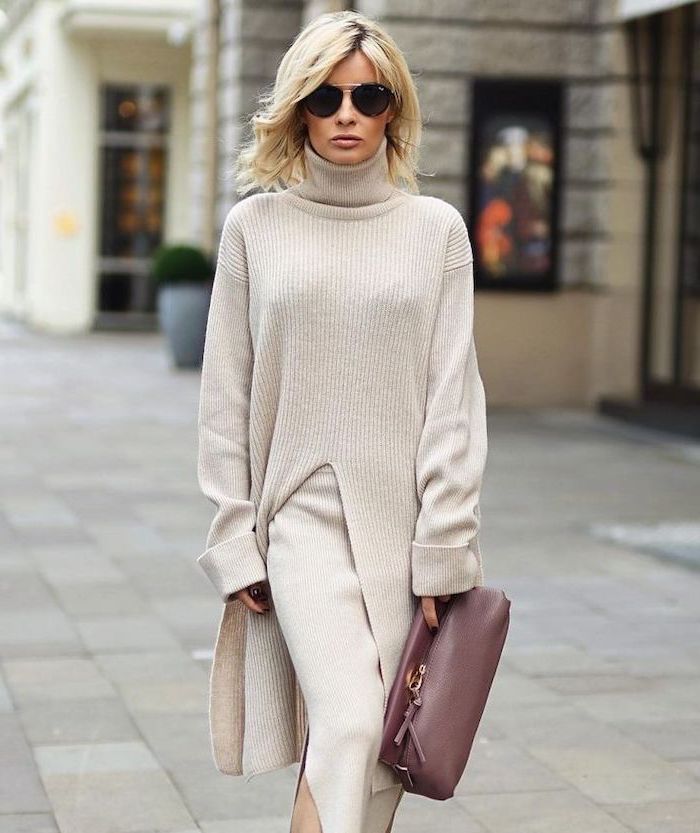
346	111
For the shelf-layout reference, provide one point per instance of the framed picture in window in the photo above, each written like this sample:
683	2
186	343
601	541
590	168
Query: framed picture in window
514	183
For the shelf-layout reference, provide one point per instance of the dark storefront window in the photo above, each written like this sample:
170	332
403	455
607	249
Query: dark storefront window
134	130
514	182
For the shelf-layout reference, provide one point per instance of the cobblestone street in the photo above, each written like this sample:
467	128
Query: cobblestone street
107	622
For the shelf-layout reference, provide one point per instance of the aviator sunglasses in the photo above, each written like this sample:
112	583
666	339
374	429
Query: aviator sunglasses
369	99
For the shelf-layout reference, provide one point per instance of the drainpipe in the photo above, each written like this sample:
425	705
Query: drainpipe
211	145
645	40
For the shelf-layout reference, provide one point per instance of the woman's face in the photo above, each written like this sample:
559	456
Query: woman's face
355	69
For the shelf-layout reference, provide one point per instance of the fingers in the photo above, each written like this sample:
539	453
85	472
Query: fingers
255	597
428	605
429	612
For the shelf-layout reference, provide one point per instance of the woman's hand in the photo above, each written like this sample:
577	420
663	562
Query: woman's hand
428	605
254	597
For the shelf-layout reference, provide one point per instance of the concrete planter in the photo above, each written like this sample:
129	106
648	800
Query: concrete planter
182	314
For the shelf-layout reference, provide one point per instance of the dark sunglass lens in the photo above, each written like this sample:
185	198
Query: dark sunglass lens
372	99
324	101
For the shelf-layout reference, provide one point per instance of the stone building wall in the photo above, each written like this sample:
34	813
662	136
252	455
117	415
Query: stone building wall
448	43
584	337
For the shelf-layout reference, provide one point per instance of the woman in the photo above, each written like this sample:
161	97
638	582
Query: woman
342	425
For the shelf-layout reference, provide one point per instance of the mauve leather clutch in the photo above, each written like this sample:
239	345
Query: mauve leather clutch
440	690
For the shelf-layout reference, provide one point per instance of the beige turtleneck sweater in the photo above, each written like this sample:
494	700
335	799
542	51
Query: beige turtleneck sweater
340	331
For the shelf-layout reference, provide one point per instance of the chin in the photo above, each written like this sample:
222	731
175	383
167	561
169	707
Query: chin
347	155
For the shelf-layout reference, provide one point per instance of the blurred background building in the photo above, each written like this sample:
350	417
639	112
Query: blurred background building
96	137
120	121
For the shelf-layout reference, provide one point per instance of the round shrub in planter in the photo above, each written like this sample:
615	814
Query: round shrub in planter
184	276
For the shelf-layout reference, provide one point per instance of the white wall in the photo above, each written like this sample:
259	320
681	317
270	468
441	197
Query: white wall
63	227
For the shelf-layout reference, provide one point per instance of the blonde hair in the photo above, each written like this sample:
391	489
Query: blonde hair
274	157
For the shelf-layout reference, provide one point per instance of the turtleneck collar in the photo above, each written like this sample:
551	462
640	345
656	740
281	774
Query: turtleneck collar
352	185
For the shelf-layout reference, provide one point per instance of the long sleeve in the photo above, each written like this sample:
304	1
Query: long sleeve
231	559
451	456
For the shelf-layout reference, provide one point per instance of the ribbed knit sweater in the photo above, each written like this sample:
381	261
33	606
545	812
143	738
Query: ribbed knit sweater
340	331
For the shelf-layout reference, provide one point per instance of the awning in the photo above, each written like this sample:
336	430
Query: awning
163	19
640	8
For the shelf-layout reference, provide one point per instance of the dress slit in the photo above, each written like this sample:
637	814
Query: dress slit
302	764
317	596
302	769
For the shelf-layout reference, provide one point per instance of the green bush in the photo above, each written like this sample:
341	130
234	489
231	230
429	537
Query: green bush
181	263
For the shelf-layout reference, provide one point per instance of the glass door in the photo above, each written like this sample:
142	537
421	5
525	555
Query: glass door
672	340
686	340
134	133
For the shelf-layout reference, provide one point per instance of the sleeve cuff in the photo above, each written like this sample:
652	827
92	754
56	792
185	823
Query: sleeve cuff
441	570
234	564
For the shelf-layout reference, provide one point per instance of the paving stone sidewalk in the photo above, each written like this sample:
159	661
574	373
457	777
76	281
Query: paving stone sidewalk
106	621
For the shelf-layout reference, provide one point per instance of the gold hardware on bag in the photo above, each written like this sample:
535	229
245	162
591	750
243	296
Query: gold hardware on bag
416	679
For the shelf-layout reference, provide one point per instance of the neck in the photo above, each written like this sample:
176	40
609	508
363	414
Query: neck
348	185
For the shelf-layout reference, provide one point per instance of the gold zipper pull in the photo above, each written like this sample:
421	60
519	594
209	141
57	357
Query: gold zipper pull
417	680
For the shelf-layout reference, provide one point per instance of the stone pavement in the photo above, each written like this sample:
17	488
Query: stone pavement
106	621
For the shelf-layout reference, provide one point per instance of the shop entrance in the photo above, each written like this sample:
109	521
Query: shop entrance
665	68
134	132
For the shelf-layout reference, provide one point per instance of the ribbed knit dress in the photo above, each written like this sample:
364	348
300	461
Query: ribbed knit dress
340	334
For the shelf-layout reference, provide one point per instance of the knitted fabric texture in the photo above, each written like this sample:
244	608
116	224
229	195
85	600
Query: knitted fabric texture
340	331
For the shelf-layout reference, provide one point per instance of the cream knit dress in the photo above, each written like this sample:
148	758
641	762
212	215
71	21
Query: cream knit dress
340	335
313	580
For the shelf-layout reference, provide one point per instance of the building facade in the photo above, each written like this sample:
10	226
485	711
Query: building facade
563	130
94	124
588	332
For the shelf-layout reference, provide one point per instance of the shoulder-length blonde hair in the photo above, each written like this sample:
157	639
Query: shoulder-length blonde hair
274	157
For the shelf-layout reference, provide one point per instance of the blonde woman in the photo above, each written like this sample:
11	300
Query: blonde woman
342	425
